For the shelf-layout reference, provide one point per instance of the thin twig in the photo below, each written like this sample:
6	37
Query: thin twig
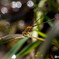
12	36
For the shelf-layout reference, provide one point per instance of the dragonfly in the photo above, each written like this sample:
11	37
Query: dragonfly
27	32
28	28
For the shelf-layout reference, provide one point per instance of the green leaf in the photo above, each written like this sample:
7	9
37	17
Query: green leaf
17	46
28	48
40	33
44	36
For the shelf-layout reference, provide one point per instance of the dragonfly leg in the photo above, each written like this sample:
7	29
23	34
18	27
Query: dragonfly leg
29	33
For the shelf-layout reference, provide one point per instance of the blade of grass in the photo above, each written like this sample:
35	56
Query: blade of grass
40	33
17	46
44	36
28	48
